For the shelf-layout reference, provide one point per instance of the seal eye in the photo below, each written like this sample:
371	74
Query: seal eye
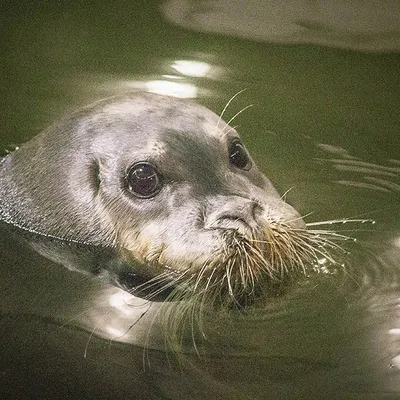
238	155
143	180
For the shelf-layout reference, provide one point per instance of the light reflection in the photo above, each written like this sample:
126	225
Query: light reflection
125	302
120	316
174	85
396	361
191	68
119	299
114	331
173	77
321	266
394	331
176	89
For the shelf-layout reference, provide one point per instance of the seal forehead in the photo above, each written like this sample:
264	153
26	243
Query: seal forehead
218	130
127	107
198	159
154	113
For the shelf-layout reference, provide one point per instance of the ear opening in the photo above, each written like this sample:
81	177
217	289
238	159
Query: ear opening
94	174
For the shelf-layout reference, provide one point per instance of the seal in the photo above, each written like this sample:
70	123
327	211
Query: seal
167	188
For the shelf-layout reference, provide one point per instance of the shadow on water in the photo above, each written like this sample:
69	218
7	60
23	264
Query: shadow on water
324	126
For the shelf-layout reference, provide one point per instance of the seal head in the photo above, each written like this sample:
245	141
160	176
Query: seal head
167	186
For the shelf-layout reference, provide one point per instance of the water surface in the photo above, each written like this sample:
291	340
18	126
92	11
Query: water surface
324	127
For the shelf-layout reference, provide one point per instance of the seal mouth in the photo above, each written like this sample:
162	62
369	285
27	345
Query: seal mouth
244	268
143	286
249	265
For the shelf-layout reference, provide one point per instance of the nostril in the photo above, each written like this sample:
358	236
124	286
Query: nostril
231	218
231	222
233	213
256	209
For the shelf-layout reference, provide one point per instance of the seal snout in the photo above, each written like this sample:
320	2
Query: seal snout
233	212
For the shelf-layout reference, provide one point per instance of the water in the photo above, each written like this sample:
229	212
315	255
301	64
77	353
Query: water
324	127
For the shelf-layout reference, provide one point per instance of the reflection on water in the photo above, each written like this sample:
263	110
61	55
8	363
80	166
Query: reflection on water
337	23
176	89
325	123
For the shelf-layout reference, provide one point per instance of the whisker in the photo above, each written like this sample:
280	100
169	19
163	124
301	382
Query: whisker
263	264
238	113
283	196
340	221
231	128
228	103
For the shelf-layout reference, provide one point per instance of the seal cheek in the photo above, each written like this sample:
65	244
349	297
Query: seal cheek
144	246
173	245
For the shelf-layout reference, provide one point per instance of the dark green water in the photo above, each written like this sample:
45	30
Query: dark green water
325	123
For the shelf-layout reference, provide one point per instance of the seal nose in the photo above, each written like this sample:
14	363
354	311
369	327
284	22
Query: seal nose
232	213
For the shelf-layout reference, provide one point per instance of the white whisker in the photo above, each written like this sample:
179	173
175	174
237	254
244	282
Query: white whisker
228	103
238	113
